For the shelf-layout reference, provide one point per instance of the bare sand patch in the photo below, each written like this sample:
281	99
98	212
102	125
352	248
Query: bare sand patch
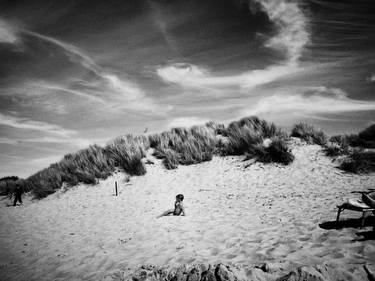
236	215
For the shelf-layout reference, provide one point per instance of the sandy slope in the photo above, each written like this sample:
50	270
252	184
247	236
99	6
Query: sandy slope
235	215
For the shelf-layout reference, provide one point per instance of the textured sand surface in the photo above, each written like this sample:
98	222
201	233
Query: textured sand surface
234	215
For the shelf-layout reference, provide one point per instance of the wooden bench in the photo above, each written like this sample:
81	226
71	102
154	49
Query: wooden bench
347	206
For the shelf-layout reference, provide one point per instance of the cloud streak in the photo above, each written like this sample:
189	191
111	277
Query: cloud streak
371	78
28	124
313	101
186	122
124	93
292	24
291	39
7	33
192	76
51	133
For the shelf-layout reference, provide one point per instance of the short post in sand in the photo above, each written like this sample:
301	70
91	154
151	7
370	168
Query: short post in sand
116	188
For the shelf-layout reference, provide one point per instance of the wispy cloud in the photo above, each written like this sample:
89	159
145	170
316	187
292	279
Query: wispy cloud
186	122
7	33
49	133
371	78
72	51
160	21
193	76
292	24
291	39
313	101
124	94
28	124
6	140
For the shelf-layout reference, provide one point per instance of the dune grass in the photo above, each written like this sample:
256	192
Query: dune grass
333	149
7	185
184	146
127	153
251	137
276	152
85	166
308	133
89	165
365	139
199	143
359	162
352	148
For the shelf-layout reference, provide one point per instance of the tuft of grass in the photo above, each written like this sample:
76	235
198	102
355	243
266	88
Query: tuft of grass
309	134
368	136
170	159
7	185
85	166
184	146
359	162
365	139
334	149
243	136
276	152
127	153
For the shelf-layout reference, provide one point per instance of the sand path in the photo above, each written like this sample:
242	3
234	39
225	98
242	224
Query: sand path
234	215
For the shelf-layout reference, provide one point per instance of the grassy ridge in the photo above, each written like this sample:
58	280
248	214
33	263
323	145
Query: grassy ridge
365	139
352	148
251	137
247	136
179	146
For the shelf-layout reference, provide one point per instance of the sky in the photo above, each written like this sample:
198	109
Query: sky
75	73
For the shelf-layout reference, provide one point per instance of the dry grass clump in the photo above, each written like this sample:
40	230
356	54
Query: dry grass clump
243	135
90	164
368	137
200	143
351	147
86	166
184	146
276	152
333	149
127	153
247	137
365	139
7	185
309	134
359	162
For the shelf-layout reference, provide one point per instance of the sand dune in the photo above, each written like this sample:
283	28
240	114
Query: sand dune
237	213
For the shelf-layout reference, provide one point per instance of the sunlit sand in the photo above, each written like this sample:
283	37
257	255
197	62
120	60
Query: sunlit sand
237	213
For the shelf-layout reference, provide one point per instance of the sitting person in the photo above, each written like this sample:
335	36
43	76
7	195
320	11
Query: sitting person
178	210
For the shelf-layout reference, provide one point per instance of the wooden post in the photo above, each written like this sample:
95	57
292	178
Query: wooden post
338	214
116	187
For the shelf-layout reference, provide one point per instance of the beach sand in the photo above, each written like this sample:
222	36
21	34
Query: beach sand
237	212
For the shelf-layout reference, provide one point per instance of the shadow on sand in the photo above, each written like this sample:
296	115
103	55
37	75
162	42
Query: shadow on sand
348	223
353	223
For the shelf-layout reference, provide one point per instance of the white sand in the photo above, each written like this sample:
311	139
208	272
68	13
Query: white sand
234	215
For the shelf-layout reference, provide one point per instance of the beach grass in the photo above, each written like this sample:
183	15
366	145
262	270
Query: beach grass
359	162
250	137
308	133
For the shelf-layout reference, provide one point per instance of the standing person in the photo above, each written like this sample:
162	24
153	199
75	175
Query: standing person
17	194
178	210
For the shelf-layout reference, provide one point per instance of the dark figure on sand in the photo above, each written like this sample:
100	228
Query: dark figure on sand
178	210
17	195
